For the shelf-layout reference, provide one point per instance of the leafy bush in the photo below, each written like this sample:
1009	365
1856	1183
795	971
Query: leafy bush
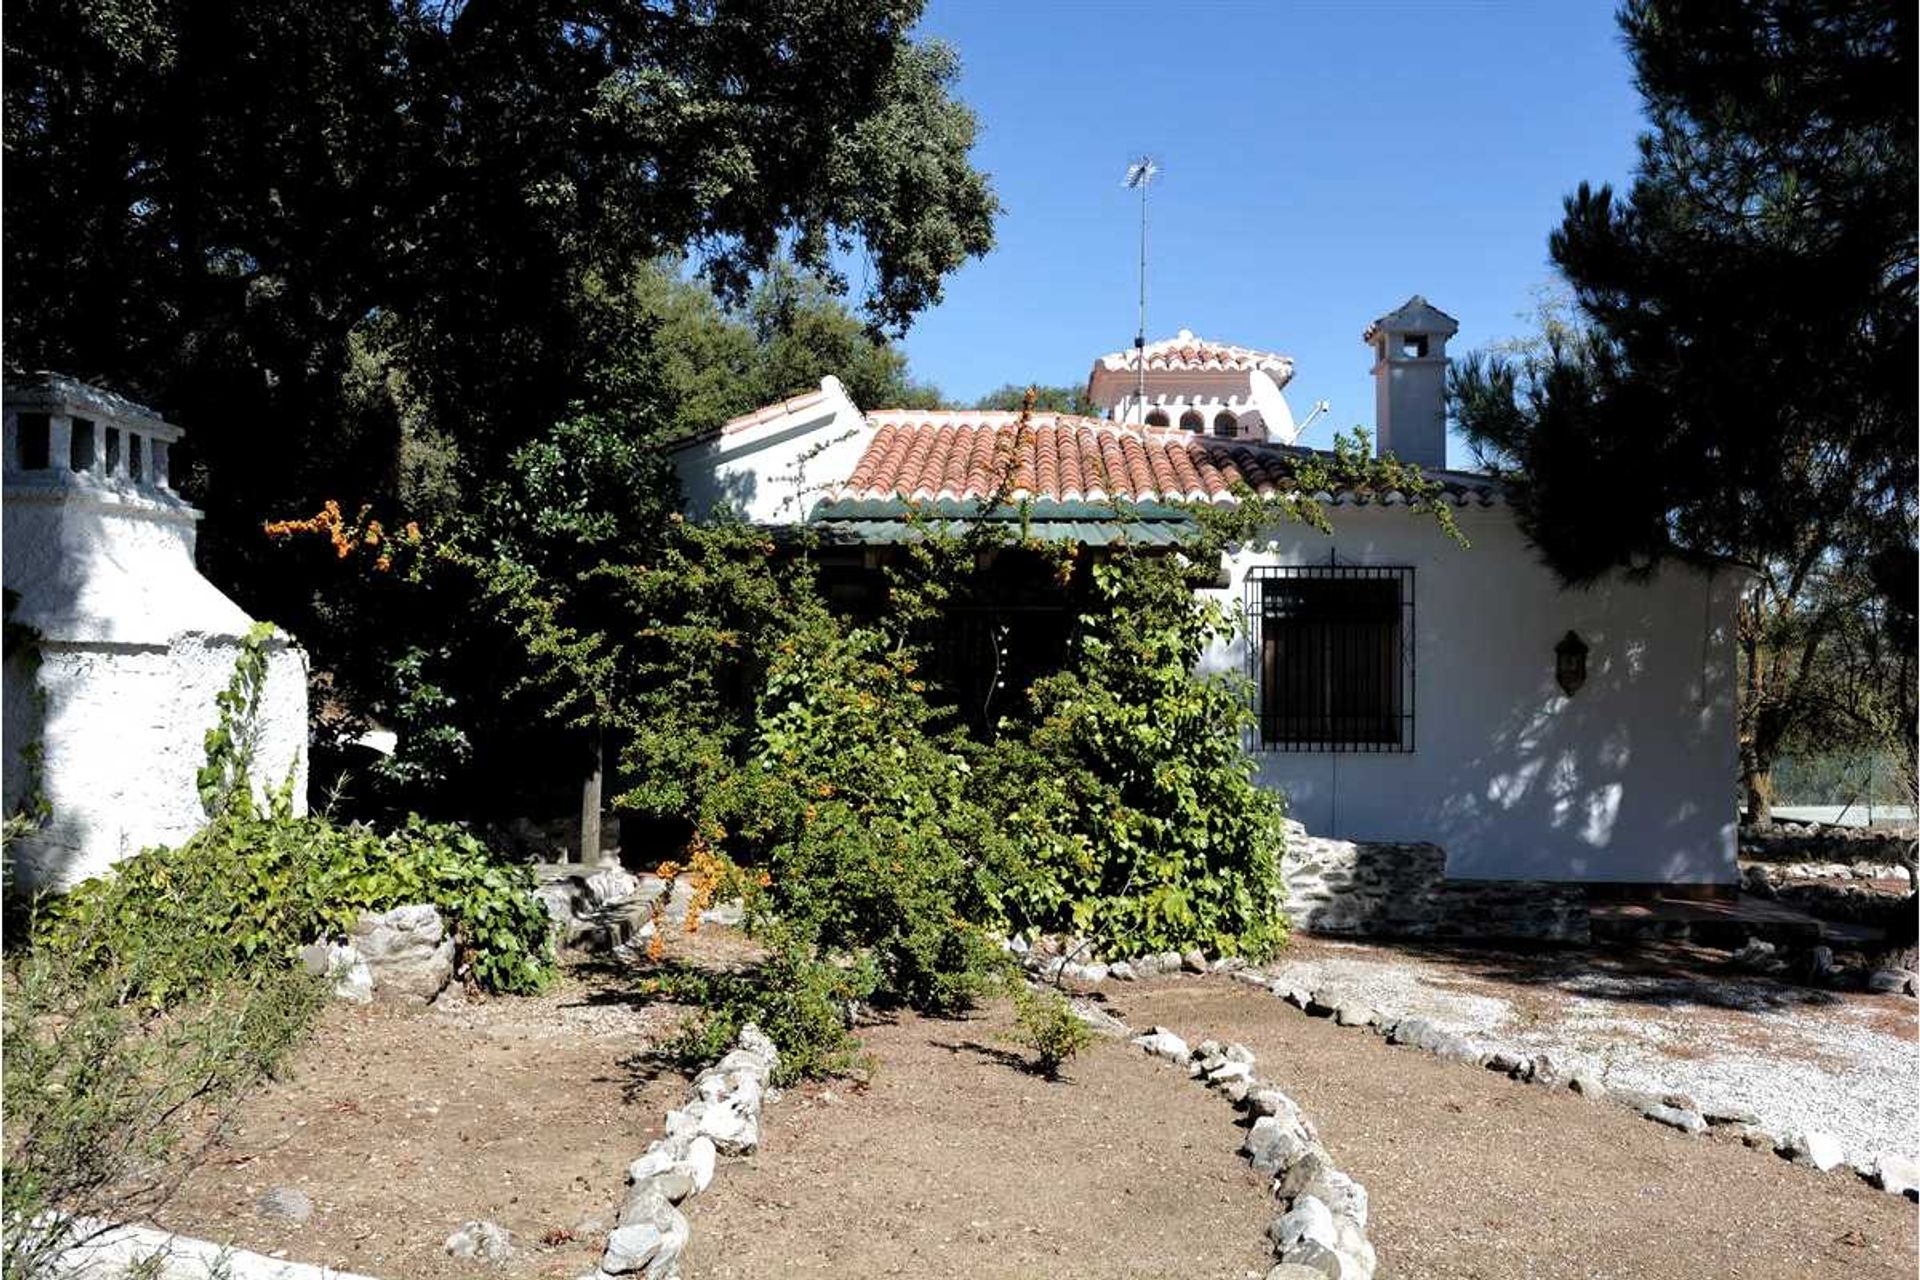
1130	796
251	889
802	1002
1046	1024
859	805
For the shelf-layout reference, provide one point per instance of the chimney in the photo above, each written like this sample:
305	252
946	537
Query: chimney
1410	381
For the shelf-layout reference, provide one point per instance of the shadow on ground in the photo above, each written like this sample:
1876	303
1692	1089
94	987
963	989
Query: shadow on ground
1659	974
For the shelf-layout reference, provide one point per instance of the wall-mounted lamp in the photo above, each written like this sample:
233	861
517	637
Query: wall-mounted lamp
1570	663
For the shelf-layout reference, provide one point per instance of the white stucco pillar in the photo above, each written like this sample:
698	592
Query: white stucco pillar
106	714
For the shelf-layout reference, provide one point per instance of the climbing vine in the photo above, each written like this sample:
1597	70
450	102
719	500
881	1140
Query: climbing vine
225	780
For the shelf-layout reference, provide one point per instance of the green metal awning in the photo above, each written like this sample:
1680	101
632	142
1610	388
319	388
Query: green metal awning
891	521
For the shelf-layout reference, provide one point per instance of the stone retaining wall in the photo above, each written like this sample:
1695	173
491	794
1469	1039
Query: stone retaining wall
1401	890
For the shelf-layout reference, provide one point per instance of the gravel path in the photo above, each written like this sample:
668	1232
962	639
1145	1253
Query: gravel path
1471	1176
1675	1020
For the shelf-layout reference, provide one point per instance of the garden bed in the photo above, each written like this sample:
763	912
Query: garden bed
954	1159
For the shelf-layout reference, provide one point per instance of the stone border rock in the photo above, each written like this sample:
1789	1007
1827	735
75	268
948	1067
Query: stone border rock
113	1251
722	1117
1321	1231
1054	960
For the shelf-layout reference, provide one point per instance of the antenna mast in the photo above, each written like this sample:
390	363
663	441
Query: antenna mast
1140	174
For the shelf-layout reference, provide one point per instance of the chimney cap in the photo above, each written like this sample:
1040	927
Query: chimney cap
1415	315
47	392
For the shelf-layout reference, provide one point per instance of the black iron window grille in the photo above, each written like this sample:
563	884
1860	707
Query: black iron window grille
1330	654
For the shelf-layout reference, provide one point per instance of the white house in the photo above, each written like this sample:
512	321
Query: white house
108	704
1407	689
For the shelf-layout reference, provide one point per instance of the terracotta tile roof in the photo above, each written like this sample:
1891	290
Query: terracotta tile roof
768	412
1184	353
765	413
962	454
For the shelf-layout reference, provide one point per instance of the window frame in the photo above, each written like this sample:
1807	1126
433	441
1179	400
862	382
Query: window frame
1266	733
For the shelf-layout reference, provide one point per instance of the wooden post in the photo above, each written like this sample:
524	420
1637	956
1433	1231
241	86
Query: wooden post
590	805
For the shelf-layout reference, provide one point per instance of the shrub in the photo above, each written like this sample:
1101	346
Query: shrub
251	889
804	1004
99	1088
1130	795
1046	1024
859	805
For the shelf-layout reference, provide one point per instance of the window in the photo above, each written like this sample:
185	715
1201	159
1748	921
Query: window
1192	420
113	453
80	446
1413	345
34	441
1331	657
136	456
1158	418
1225	425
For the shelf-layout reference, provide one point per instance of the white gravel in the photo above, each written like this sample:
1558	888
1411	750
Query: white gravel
1797	1058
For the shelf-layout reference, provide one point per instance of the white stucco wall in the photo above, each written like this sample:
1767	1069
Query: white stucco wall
133	645
122	736
772	471
1629	780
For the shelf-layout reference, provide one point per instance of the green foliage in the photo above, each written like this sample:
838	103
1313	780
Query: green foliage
22	653
1113	799
801	334
1130	797
97	1084
803	1003
421	256
1046	1024
861	808
250	890
1046	399
225	781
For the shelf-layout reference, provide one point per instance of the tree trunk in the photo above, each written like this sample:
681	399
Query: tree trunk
590	805
1756	784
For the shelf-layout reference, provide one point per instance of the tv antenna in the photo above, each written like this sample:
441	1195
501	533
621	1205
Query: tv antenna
1140	176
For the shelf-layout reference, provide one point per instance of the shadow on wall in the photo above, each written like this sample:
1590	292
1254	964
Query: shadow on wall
1605	784
61	838
718	493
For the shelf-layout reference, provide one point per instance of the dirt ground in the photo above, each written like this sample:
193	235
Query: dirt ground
399	1125
956	1161
1473	1175
952	1160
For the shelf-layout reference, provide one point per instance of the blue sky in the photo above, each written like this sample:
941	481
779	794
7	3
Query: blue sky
1321	163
